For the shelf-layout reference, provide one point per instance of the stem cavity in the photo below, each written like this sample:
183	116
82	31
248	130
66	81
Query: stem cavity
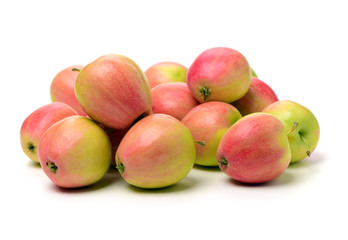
31	147
52	166
202	143
205	91
223	162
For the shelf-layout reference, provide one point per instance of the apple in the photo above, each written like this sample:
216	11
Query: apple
75	152
301	125
158	151
255	149
259	96
253	73
166	72
113	91
208	122
63	88
36	124
174	99
219	74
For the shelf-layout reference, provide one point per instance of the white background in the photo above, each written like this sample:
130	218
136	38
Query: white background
299	48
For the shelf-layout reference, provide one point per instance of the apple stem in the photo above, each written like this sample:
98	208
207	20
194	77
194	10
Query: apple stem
31	147
202	143
294	126
76	70
223	161
52	166
308	152
205	91
119	166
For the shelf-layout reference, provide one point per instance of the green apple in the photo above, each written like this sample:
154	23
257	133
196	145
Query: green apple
302	127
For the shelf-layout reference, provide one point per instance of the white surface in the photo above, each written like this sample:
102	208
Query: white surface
299	48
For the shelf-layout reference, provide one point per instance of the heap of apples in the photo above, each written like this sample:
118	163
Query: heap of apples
154	126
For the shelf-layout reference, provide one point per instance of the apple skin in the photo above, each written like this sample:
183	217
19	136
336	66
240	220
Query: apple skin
158	151
259	96
75	152
253	73
174	99
166	72
113	91
255	149
219	74
207	123
63	88
305	137
36	124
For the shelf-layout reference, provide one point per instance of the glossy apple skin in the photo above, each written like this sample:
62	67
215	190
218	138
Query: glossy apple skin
36	124
113	91
259	96
255	149
63	88
158	151
305	136
223	71
208	122
79	149
174	99
166	72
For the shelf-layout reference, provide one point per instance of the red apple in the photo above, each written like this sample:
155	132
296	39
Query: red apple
219	74
36	124
166	72
158	151
255	149
63	88
75	152
259	96
174	99
113	91
208	122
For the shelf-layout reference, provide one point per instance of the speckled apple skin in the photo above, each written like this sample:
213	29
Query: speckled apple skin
259	96
208	122
166	72
308	128
36	124
224	71
79	148
255	149
174	99
113	91
63	88
158	151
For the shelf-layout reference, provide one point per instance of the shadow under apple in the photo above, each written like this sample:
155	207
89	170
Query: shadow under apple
186	184
110	177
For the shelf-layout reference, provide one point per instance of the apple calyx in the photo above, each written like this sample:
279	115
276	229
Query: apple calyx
52	166
119	166
31	147
223	161
202	143
205	91
76	70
